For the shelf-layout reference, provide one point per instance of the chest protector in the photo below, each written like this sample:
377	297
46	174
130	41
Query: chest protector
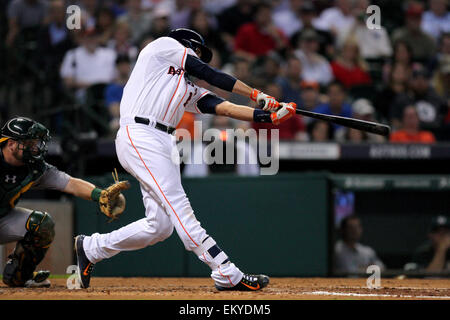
13	185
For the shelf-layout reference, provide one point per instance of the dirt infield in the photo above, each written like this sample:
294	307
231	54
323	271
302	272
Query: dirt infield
203	289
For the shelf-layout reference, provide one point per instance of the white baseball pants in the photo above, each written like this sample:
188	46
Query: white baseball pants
146	153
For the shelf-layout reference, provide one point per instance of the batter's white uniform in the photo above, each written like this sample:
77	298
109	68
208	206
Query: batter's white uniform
159	91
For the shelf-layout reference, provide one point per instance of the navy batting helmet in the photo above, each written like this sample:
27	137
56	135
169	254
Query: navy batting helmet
191	39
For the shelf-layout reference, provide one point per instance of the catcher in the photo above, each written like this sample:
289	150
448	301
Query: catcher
23	147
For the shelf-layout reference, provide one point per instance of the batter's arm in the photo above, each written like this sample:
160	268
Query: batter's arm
235	111
245	113
221	80
242	89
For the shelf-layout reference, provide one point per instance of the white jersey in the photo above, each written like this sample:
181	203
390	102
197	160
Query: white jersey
158	88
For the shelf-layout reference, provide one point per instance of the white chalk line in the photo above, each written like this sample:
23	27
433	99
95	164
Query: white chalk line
397	288
350	294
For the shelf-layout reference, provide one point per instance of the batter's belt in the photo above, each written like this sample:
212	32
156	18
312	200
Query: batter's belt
157	125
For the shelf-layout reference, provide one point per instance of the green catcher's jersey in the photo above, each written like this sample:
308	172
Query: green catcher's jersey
15	181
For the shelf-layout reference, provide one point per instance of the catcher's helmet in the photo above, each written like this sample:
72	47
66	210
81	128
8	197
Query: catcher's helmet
24	130
191	39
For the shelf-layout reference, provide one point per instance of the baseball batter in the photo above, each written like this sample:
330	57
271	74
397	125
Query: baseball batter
22	167
155	97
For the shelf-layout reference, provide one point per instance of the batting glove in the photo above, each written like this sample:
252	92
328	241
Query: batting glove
286	111
268	103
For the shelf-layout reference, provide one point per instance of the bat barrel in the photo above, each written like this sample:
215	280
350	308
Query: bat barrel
363	125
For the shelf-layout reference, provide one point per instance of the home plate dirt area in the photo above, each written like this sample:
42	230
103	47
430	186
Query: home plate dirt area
203	289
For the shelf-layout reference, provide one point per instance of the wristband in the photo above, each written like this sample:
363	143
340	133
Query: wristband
261	116
95	194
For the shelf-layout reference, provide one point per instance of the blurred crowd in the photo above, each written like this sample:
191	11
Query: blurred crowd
319	54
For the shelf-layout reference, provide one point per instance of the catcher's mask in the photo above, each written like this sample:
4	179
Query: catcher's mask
32	137
191	39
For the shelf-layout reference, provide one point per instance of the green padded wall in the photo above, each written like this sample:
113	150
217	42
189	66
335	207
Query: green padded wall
276	225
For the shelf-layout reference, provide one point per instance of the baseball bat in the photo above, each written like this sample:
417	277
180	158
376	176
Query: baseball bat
362	125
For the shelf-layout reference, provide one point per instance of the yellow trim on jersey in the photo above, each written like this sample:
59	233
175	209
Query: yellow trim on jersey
23	190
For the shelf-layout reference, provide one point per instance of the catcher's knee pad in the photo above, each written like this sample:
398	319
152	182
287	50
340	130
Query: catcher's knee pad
29	251
41	229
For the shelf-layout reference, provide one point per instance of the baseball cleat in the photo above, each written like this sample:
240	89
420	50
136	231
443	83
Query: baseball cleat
249	282
85	267
39	280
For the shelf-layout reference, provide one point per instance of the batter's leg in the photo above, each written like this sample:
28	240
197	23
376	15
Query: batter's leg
151	163
155	227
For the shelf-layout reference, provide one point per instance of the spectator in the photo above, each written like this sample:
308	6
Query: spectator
434	255
231	19
290	81
241	70
160	22
181	14
436	21
315	68
88	64
362	109
205	25
216	7
245	162
105	20
431	107
308	15
88	13
54	40
139	21
349	68
337	104
187	122
350	256
118	7
337	19
441	79
24	19
355	136
396	85
268	71
114	91
403	53
292	129
373	43
443	53
245	154
260	37
410	130
288	19
402	56
121	43
310	96
320	131
423	46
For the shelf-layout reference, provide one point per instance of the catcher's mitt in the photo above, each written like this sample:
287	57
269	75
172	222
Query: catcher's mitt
111	200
